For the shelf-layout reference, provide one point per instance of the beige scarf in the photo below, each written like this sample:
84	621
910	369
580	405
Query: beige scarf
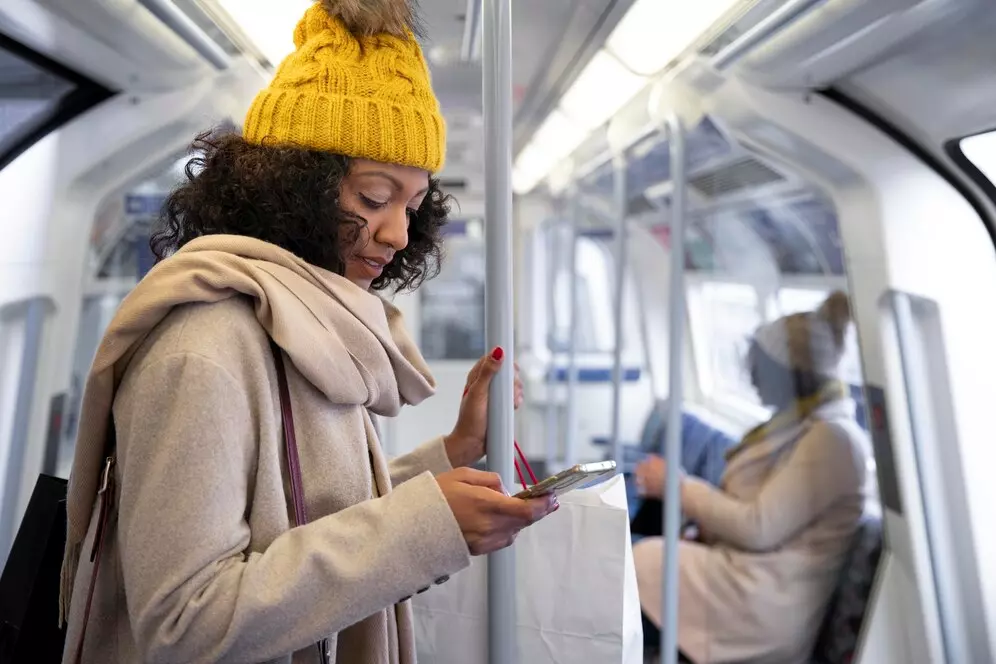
348	343
788	417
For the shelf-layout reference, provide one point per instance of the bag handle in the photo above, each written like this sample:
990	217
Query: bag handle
529	469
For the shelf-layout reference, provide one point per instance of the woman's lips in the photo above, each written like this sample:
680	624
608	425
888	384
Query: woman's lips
372	266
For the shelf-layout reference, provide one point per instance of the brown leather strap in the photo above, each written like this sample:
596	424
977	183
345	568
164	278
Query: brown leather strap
293	462
106	494
290	439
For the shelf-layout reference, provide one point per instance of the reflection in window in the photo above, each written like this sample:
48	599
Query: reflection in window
594	315
724	316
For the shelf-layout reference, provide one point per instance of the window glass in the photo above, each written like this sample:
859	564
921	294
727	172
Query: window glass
724	316
34	92
595	287
981	151
452	304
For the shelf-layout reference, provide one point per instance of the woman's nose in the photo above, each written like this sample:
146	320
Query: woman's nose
393	231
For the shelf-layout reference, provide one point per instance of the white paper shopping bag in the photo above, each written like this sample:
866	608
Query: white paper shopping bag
575	588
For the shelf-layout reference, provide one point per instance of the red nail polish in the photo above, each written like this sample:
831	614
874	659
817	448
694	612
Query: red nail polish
497	354
465	390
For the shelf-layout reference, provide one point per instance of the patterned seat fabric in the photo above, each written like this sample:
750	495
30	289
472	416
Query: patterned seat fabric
838	638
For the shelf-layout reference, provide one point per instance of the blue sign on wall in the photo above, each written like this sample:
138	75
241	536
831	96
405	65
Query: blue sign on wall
144	205
143	255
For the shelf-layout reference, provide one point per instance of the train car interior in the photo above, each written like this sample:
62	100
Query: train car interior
825	146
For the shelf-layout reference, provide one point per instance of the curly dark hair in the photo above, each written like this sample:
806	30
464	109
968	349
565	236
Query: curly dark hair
288	196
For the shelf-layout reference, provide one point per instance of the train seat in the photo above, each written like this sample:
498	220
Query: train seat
838	637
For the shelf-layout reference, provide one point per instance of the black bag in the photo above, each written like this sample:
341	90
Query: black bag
29	586
648	518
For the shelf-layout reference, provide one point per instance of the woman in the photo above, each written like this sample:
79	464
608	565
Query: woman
190	554
775	534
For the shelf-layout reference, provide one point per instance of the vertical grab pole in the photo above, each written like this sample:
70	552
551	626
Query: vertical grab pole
620	252
672	445
552	407
570	442
497	98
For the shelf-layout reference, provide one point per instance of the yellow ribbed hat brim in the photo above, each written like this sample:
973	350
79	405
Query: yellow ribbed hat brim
358	127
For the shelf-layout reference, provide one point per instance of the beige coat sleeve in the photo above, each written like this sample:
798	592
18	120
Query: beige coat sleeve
824	465
430	457
187	447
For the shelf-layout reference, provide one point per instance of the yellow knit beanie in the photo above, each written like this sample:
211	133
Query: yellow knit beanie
357	85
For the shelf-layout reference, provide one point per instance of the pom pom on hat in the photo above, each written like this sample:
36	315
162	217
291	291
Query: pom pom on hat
366	18
357	84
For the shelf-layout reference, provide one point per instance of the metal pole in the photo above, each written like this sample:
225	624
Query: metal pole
672	445
945	598
781	18
470	47
497	97
34	322
617	309
174	18
642	300
552	246
570	442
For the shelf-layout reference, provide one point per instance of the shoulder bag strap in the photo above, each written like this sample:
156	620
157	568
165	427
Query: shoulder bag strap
293	462
290	439
106	497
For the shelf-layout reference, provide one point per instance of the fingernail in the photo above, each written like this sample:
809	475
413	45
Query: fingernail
465	390
497	354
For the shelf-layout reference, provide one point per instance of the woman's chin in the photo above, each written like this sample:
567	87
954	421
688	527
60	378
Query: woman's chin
359	278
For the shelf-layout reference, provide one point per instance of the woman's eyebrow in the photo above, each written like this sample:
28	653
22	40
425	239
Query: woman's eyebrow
390	178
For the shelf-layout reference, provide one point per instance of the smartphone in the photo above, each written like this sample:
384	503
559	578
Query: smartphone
569	479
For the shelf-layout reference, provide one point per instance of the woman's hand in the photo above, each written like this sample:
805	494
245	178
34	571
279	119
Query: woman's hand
650	476
466	443
489	519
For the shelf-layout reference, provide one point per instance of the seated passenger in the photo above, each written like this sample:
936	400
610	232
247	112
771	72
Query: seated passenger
222	545
776	532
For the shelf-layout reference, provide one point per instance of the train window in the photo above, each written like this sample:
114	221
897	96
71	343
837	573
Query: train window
452	304
723	318
36	96
981	151
594	315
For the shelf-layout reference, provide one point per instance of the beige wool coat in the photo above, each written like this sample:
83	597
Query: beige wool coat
201	563
776	536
